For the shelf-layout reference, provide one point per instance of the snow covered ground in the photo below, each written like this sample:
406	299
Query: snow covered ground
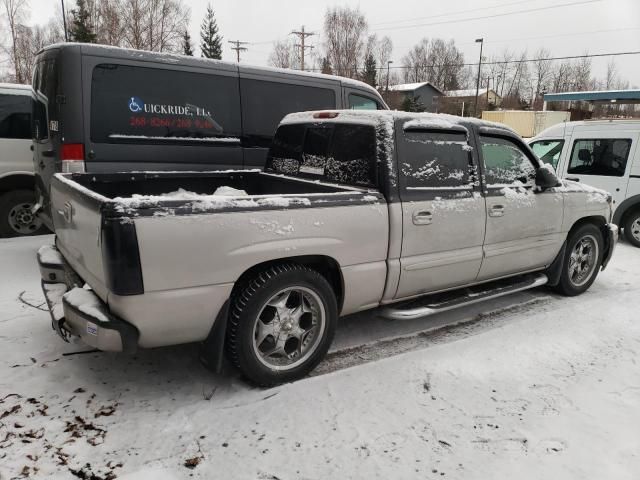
530	386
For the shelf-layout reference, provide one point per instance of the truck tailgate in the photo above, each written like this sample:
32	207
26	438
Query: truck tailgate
77	219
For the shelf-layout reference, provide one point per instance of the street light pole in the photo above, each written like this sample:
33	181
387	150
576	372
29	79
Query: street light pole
475	107
64	22
389	62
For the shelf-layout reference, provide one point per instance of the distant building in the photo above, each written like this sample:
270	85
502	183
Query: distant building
423	92
468	96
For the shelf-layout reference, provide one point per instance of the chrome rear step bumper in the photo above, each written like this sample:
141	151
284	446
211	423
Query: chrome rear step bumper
468	296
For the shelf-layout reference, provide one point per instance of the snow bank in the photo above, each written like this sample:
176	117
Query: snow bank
50	254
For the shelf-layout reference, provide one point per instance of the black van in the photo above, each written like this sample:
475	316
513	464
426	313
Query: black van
107	109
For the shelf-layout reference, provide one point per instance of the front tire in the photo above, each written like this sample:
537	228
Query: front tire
582	261
281	324
16	218
632	228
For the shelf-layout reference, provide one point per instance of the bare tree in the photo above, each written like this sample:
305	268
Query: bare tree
435	61
561	76
16	11
612	75
582	74
284	55
541	70
383	51
156	25
345	30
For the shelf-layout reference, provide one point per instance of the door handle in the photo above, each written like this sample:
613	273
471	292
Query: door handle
422	217
496	211
573	179
47	153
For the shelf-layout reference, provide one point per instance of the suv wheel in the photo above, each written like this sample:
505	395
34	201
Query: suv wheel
582	260
632	228
281	324
16	218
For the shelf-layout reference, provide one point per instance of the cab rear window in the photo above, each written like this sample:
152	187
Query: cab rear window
138	104
340	153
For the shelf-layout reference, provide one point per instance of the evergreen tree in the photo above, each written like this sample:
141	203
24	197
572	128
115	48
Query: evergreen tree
326	66
210	39
369	73
187	49
80	30
412	104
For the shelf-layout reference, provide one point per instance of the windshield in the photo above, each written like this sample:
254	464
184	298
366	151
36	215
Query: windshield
548	151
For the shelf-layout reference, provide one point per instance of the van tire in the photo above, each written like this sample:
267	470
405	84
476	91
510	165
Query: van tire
306	333
15	218
632	227
572	283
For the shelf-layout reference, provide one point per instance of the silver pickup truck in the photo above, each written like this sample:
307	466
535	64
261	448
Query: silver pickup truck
418	213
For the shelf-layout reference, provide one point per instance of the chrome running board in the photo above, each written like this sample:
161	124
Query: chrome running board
468	296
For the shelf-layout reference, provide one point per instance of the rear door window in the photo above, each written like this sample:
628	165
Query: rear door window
139	104
44	107
606	157
265	104
435	159
15	114
341	153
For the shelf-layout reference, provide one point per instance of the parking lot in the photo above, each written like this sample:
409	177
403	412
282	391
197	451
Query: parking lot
532	385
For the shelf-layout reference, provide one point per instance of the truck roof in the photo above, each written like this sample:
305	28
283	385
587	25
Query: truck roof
376	117
176	58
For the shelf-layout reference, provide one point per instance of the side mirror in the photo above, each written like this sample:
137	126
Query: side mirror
546	177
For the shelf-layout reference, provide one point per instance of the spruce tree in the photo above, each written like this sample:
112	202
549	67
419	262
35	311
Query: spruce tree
80	30
326	66
187	49
369	73
412	104
210	39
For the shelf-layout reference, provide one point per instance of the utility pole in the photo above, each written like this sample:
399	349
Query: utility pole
238	47
64	22
302	35
475	106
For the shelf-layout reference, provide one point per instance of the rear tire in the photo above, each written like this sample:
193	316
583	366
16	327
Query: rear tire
582	260
281	324
16	218
632	228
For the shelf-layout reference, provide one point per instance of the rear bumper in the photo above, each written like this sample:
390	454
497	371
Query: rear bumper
611	233
90	319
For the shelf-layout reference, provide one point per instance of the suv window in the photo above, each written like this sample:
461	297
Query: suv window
264	104
435	159
175	105
606	156
15	116
358	102
505	162
342	153
548	151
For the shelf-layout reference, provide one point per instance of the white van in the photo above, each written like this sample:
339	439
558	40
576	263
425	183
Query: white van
17	195
601	153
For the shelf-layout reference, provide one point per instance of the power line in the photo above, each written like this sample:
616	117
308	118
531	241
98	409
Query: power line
453	13
495	15
302	35
526	60
238	48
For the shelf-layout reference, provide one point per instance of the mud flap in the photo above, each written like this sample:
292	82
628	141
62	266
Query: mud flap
554	272
212	349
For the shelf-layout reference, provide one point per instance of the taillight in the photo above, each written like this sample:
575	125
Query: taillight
325	115
72	156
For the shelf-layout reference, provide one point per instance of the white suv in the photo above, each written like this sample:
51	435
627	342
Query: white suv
602	153
16	163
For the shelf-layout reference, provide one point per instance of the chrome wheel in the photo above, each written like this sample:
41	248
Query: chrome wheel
289	328
635	229
22	221
583	260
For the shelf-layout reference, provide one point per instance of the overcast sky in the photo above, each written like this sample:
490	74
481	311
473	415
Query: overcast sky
596	26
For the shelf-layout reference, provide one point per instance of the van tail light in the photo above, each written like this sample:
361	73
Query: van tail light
72	156
325	115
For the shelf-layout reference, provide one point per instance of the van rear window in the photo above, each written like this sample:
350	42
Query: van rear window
341	153
138	104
